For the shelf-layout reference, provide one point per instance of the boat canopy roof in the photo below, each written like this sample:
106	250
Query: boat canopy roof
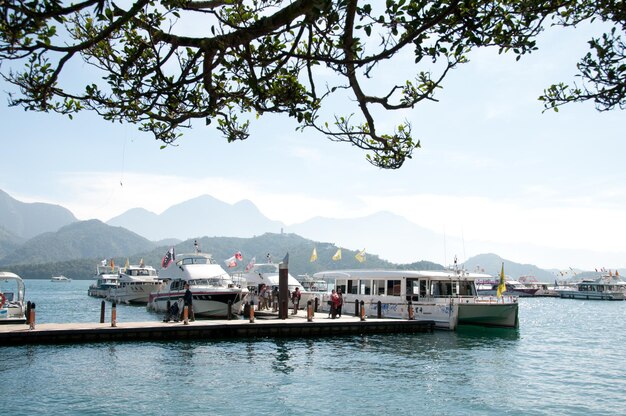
6	277
399	274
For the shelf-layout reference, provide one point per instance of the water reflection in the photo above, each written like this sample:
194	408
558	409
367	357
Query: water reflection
282	358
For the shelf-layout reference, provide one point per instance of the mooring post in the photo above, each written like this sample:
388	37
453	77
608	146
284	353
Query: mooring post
230	309
102	307
317	303
410	310
356	308
362	311
113	314
31	320
251	312
186	315
309	311
27	314
283	287
380	310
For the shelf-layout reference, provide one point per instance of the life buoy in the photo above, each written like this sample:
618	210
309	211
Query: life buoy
2	299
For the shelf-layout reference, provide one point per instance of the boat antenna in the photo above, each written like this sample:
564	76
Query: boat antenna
444	247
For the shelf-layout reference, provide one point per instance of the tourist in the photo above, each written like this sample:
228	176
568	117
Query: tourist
295	299
334	303
340	305
188	302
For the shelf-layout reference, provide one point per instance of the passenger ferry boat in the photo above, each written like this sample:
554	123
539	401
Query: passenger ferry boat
603	288
447	297
107	275
12	307
135	284
211	286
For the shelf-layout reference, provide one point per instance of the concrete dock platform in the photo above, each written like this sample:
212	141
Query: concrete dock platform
264	325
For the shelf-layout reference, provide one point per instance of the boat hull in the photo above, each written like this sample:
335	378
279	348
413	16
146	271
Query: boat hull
503	315
574	294
133	293
211	304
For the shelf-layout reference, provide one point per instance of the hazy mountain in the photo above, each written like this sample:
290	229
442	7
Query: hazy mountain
8	242
27	220
84	239
492	264
198	217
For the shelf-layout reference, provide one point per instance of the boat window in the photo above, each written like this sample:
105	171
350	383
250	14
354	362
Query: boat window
393	288
423	287
353	286
378	287
466	289
440	288
341	284
366	287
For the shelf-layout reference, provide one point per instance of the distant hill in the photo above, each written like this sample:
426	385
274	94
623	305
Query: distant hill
26	220
8	242
84	239
492	264
198	217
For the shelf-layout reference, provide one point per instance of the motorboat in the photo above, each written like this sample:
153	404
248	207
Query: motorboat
267	274
603	288
212	288
107	276
448	297
135	284
60	279
489	287
12	291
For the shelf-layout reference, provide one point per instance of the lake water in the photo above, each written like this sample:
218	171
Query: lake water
565	359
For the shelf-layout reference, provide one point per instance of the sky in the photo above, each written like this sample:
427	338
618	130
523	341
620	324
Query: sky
493	168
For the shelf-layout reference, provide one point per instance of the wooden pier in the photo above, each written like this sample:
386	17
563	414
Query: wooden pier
263	326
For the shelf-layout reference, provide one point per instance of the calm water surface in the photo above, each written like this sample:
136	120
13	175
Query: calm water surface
565	359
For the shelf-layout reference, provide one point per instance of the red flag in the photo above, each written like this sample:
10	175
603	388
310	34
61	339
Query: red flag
238	256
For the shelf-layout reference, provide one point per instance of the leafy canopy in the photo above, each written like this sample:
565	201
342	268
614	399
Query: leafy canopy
164	64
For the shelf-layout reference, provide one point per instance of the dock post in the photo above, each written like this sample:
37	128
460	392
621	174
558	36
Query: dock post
317	303
356	307
27	314
309	311
102	307
251	312
230	309
31	320
186	315
380	310
113	315
283	287
362	311
410	310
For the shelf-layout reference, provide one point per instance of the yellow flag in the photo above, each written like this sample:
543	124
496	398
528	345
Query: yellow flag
141	263
502	285
337	255
313	255
126	264
360	256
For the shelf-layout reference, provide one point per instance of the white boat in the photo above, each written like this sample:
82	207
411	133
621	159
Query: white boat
489	287
107	276
211	287
447	297
12	307
135	284
60	279
268	274
603	288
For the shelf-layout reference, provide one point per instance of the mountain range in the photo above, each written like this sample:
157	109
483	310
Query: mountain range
38	236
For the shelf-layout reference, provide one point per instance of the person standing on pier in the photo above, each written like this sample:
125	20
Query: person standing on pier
188	301
340	304
295	299
334	303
